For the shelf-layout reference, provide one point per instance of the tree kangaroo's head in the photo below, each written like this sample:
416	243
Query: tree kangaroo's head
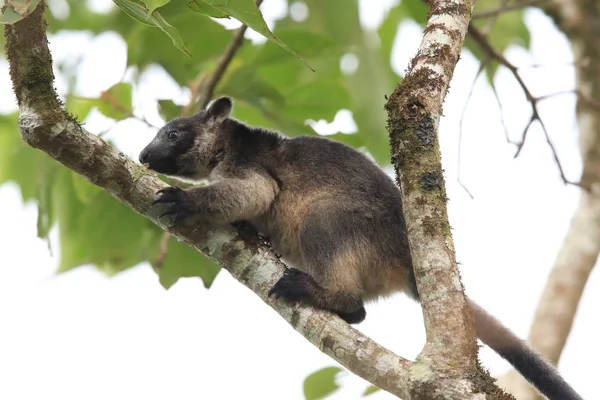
187	147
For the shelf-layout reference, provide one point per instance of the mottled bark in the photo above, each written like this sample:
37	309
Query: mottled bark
414	111
46	126
580	21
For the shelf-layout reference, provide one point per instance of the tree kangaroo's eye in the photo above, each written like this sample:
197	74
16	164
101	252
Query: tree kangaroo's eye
173	135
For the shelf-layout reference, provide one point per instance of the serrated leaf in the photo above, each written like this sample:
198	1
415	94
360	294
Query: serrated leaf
247	12
16	10
370	390
116	102
182	261
321	383
140	12
204	8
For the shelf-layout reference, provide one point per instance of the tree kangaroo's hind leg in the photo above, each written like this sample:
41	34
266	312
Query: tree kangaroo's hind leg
330	282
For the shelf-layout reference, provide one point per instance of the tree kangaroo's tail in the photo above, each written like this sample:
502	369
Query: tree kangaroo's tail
539	372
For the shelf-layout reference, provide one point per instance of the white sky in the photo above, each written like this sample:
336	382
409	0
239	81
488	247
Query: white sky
83	335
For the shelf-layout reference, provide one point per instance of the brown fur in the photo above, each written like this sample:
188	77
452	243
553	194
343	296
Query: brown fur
330	212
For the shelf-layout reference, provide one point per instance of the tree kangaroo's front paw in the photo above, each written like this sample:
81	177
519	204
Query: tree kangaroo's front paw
179	206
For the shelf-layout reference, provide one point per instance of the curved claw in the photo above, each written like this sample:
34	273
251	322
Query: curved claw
168	194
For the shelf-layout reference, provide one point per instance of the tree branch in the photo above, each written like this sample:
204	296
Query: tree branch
45	125
580	250
494	12
535	115
414	111
204	90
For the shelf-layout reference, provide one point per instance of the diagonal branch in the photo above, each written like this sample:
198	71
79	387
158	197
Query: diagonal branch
45	125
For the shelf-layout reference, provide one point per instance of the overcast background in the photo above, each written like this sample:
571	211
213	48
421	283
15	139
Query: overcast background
82	335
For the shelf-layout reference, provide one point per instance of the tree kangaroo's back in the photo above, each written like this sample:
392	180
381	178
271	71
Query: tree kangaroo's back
329	211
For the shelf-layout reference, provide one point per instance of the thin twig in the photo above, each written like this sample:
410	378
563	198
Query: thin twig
582	97
505	8
535	115
162	253
203	92
501	111
461	123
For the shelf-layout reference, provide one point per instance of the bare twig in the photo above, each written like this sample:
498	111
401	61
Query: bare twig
461	123
501	111
535	115
203	91
494	12
581	97
162	253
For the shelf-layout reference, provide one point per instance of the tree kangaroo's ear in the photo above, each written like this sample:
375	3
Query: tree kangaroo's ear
220	109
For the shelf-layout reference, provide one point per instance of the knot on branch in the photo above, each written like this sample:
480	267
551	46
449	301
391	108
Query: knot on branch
28	122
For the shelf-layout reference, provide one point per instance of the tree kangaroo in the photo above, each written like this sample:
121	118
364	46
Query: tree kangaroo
331	213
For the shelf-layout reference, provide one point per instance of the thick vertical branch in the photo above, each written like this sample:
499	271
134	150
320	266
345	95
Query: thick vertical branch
414	111
555	313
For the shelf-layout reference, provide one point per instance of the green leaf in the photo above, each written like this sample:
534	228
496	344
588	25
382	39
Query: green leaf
103	232
80	106
248	13
138	11
19	162
154	4
45	183
204	8
372	80
317	100
244	83
370	390
306	42
146	46
168	109
16	10
183	261
116	102
321	383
